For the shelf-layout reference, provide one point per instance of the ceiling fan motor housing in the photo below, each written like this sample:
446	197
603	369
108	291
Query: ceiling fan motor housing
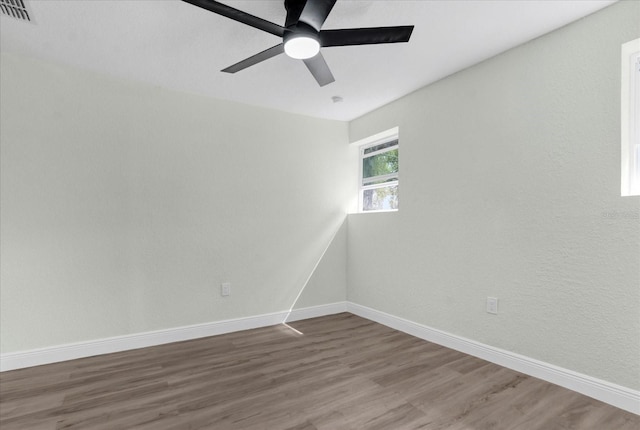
301	40
300	29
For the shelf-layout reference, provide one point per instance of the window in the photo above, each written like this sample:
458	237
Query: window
378	188
630	115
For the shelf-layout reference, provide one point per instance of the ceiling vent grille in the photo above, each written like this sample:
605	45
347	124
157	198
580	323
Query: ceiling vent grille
16	9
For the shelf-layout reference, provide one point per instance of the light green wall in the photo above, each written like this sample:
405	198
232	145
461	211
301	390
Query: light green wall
124	206
510	187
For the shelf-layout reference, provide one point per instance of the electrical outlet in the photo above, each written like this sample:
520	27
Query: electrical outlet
225	289
492	305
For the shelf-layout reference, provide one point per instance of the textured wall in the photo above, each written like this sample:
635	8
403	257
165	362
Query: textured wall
123	207
510	187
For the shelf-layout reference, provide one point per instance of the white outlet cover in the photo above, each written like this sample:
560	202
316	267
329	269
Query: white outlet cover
225	289
492	305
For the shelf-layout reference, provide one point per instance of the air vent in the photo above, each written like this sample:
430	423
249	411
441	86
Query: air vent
16	9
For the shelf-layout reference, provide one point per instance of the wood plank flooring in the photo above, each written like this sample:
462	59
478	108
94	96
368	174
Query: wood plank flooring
343	372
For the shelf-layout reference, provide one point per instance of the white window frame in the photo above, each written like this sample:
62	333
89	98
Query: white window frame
630	116
377	139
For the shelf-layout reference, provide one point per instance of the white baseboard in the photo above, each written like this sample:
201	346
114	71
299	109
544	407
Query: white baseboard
54	354
616	395
316	311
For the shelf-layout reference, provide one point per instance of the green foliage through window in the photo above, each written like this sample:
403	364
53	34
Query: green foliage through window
379	182
381	164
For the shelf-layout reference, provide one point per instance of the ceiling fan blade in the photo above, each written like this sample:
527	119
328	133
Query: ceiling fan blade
255	59
315	12
365	36
319	69
238	15
294	9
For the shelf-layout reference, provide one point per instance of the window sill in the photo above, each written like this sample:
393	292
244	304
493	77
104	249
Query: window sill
384	211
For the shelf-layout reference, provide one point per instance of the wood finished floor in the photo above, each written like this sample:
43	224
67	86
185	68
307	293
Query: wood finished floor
344	372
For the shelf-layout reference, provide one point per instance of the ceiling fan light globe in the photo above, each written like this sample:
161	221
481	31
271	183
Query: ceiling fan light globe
302	47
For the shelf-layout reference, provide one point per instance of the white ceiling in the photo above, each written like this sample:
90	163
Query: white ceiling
175	45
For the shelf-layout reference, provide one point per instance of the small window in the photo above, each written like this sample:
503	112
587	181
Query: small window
378	188
630	115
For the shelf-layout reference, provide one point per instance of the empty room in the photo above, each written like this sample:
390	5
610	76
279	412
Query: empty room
320	214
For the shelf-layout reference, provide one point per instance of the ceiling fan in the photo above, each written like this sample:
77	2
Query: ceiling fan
302	36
